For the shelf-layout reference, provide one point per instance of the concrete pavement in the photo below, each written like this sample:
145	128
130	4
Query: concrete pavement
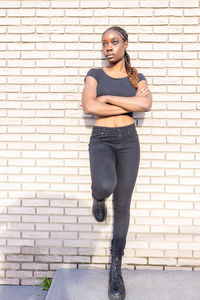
92	284
25	292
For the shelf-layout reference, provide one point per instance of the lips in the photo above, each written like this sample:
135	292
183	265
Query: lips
110	55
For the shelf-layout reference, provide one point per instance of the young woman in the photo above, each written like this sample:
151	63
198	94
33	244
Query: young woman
112	94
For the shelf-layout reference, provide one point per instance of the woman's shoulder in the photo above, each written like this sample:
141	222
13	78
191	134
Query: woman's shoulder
94	72
141	77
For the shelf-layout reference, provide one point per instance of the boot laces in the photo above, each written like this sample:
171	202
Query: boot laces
115	271
100	206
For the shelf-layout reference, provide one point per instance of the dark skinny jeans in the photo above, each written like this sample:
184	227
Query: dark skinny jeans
114	154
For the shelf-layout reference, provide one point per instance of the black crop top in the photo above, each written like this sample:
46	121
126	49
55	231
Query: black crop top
113	86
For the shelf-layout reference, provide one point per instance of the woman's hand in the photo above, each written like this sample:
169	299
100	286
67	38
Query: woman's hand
142	92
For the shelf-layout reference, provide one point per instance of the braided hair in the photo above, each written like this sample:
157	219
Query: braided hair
131	71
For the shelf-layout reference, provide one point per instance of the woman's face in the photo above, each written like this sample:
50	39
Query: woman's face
113	46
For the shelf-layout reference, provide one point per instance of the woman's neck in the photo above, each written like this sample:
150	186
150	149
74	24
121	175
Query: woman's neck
118	66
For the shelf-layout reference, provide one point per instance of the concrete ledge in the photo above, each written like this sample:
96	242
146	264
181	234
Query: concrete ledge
92	284
22	292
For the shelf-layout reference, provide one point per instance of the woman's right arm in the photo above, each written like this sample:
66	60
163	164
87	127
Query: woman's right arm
92	106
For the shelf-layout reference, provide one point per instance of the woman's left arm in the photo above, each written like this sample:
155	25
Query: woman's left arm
142	101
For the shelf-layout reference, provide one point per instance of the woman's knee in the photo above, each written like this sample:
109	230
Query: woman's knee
104	188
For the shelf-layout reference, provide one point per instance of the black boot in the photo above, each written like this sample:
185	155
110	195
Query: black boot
116	289
99	210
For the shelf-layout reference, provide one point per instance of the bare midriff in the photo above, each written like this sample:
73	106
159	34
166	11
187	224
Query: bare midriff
114	121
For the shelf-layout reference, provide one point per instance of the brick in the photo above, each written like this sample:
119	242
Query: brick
49	227
184	3
31	281
152	38
63	251
165	148
190	246
180	156
21	210
20	226
63	266
188	261
91	251
18	274
168	12
168	30
190	180
32	234
64	203
191	12
62	219
20	13
177	221
68	4
9	281
144	220
40	274
36	4
166	229
20	258
192	164
77	243
35	202
183	20
10	4
108	12
64	235
77	259
49	211
149	204
180	139
164	131
162	261
177	253
164	180
163	245
9	266
181	123
127	3
123	21
34	266
88	3
48	258
179	205
164	212
47	242
137	12
191	29
78	227
153	3
20	242
179	189
149	267
29	219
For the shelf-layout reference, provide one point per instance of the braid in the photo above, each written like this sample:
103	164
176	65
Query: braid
131	71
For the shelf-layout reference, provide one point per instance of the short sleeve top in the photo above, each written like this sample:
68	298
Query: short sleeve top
113	86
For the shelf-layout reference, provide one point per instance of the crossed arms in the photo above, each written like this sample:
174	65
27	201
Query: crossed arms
99	106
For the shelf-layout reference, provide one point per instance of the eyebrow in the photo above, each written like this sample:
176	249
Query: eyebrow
111	39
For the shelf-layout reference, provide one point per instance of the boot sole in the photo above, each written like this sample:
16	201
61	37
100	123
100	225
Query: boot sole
116	297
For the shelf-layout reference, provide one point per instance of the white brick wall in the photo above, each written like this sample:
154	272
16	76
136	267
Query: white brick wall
45	199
